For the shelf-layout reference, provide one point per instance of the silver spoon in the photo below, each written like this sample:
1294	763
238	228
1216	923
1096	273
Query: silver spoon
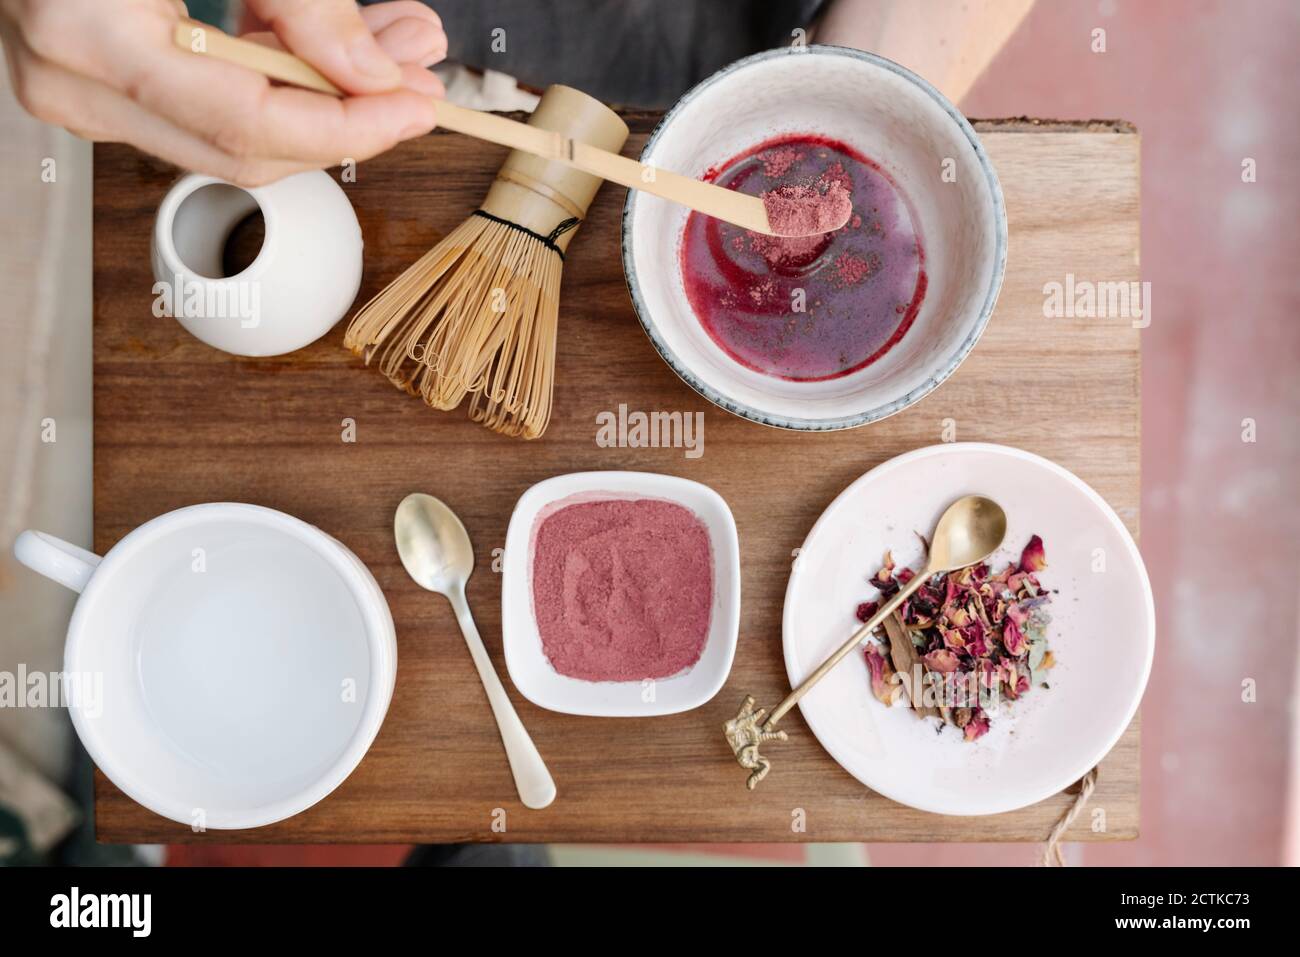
436	551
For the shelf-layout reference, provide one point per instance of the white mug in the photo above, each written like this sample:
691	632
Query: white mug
301	283
243	660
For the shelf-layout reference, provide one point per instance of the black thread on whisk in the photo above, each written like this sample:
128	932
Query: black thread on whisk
548	241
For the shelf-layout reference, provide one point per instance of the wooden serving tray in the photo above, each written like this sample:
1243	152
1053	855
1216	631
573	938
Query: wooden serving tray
178	423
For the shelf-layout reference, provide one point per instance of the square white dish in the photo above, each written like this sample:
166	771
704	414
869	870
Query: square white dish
531	672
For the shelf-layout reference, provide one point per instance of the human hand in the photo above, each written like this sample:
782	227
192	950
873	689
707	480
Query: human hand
108	70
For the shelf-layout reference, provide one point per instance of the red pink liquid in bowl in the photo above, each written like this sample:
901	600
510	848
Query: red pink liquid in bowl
811	308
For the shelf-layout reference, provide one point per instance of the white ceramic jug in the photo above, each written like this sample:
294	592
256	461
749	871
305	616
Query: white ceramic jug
301	283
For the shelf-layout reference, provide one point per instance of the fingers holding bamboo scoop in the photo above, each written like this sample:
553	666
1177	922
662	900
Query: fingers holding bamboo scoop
969	531
788	211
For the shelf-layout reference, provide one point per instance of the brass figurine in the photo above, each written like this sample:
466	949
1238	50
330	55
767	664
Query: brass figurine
745	733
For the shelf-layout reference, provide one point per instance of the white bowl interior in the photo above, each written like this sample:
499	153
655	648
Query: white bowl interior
227	648
891	118
535	677
1102	631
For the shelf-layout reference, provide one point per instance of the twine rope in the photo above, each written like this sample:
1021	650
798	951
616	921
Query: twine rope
1052	855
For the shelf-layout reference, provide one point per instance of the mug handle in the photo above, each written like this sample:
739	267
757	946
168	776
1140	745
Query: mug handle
54	558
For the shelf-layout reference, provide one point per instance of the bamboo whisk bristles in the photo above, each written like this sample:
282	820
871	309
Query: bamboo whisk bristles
476	316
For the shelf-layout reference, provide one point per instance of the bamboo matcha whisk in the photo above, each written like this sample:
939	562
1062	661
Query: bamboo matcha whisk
476	316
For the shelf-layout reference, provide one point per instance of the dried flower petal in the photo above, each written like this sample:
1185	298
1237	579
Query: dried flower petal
882	673
973	635
977	727
941	660
1033	558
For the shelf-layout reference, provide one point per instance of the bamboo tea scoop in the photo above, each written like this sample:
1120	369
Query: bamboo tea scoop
739	209
969	531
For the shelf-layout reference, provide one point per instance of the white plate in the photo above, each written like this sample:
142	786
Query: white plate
1102	631
529	669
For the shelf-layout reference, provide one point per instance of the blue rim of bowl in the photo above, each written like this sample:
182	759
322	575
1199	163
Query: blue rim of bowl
879	412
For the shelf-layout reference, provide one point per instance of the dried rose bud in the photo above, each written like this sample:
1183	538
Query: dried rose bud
866	610
1013	638
977	728
886	572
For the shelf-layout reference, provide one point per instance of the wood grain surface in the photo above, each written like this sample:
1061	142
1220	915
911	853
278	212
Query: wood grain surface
177	423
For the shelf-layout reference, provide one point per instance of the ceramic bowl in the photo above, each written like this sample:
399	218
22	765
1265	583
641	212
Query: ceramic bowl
529	668
234	663
1102	631
917	137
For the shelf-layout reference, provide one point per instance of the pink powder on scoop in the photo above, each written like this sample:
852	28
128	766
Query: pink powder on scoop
807	211
622	589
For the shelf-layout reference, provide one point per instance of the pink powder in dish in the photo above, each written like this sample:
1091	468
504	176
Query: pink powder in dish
622	589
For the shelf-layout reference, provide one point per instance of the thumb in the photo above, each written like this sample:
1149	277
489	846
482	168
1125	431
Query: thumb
332	37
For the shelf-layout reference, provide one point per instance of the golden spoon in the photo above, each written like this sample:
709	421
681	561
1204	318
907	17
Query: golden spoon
969	531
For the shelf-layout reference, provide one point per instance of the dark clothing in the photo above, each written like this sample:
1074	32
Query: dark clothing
479	855
625	52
